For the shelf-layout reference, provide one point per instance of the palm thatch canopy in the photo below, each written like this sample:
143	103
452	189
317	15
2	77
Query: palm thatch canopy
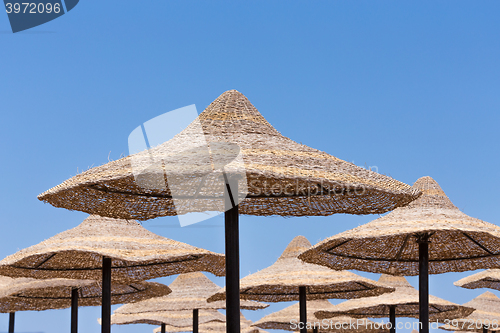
405	299
172	318
137	254
189	291
282	177
489	278
280	282
487	314
26	294
288	318
389	244
214	326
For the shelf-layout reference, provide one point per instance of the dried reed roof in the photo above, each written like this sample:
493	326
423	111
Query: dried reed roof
487	312
288	318
282	177
172	318
214	326
189	291
406	300
280	282
389	244
137	254
26	294
489	278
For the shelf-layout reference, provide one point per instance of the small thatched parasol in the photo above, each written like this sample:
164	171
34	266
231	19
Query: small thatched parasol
172	318
489	278
230	138
401	303
290	277
430	235
121	250
213	326
288	319
486	316
189	292
27	294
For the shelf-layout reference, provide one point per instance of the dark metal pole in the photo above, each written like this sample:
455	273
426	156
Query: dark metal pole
392	318
12	317
195	320
315	329
485	330
423	282
232	257
74	310
106	295
303	308
163	329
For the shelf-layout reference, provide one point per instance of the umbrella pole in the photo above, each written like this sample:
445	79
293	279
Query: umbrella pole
195	320
232	258
12	317
74	310
303	308
315	330
163	329
392	318
106	295
485	330
423	282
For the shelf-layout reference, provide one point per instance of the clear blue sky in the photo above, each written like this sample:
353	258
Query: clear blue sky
411	87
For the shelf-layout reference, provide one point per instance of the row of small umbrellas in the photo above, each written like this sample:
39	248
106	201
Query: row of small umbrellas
428	235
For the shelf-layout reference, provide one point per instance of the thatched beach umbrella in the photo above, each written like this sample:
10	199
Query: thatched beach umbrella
189	292
108	248
172	318
27	294
489	278
288	319
429	236
486	315
264	173
213	326
401	303
291	279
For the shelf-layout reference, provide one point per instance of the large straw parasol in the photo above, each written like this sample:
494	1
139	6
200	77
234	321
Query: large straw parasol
276	176
290	279
489	278
120	249
429	236
287	319
486	315
213	326
401	303
189	292
27	294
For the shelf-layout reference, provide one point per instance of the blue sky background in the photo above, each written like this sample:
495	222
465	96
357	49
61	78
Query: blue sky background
409	87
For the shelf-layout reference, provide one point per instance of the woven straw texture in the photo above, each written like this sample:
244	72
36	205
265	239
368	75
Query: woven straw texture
487	312
137	254
288	318
189	291
280	282
214	327
25	294
283	177
489	278
172	318
389	244
405	298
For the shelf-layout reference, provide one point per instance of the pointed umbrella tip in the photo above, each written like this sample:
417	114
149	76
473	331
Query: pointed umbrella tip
428	186
298	245
394	280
